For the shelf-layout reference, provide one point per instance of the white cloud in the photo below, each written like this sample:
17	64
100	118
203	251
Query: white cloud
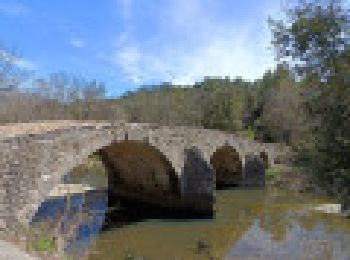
16	61
12	8
25	64
192	43
77	43
128	58
221	57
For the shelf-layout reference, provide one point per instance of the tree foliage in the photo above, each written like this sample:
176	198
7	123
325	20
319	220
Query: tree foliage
312	37
315	39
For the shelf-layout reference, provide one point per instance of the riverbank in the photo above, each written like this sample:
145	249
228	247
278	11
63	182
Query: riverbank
294	179
31	244
39	241
10	251
289	178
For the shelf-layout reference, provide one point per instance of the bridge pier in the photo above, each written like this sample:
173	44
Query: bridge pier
197	182
253	171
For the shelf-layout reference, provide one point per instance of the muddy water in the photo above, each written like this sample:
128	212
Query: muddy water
248	223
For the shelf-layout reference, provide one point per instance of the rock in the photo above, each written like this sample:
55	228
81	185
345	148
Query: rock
9	251
328	208
64	189
202	246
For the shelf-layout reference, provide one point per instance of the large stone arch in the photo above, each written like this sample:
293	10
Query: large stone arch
228	166
139	169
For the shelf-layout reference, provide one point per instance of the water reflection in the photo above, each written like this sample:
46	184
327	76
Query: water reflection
74	221
248	223
297	243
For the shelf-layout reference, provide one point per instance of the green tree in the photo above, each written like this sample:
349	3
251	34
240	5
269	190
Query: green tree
280	108
315	40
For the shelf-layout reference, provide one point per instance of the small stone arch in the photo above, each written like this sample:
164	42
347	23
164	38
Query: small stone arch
228	167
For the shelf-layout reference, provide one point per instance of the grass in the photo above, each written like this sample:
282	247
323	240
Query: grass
68	258
272	172
92	171
36	239
43	243
39	239
95	157
249	134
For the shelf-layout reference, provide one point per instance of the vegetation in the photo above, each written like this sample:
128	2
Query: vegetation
43	243
36	239
92	170
39	239
274	171
315	40
218	103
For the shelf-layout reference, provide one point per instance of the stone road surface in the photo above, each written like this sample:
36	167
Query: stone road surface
10	252
15	129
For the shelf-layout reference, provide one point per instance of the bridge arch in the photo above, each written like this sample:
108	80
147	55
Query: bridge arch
138	168
228	167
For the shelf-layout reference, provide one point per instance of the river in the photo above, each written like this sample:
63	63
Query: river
270	224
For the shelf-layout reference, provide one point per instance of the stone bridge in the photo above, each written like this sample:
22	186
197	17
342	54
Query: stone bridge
168	166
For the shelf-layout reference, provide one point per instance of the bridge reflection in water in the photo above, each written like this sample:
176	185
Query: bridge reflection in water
248	223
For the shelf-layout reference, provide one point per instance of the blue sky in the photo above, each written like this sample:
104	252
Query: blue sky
127	43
